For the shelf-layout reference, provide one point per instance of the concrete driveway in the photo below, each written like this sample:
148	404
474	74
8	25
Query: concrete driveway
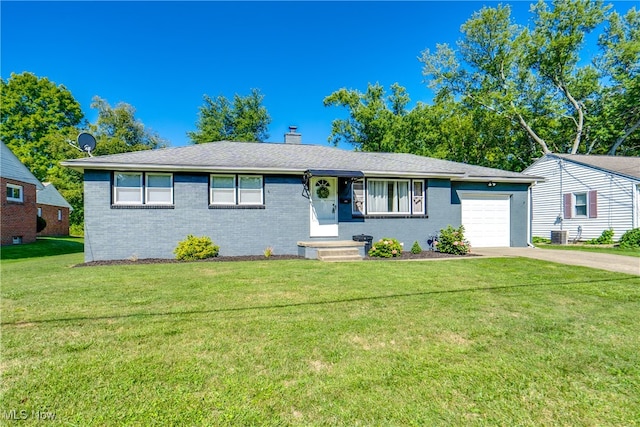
617	263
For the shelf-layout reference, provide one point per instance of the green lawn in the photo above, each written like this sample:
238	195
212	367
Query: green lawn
454	342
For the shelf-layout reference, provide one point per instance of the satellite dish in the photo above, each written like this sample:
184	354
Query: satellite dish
86	142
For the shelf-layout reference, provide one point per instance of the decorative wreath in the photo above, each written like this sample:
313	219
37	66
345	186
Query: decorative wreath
322	192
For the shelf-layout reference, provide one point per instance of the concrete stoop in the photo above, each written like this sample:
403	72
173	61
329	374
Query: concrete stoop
339	254
332	250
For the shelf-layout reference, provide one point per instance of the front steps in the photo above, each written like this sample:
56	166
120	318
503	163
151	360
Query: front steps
332	251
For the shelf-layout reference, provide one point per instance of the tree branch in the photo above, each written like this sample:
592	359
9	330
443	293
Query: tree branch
620	140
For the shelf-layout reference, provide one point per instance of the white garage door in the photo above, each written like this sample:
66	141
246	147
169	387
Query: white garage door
486	220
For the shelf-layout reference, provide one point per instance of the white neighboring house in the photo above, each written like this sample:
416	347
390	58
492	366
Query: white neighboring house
585	195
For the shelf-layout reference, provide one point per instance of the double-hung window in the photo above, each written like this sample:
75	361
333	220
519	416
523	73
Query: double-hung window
14	193
159	189
249	190
136	188
418	206
580	206
127	188
223	189
388	196
236	190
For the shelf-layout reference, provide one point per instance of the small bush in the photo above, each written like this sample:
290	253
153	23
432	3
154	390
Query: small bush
193	248
452	241
416	249
268	252
386	248
41	224
606	238
630	239
540	240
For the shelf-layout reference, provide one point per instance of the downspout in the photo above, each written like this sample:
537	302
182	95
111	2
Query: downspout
562	213
530	216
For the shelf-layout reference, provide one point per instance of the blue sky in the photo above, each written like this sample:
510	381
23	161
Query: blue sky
162	57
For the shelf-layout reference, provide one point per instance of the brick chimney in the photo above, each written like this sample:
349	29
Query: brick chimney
293	137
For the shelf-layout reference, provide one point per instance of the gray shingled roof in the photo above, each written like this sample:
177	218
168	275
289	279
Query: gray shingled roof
289	158
628	166
49	195
12	168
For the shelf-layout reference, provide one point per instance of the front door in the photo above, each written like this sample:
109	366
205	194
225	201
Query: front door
324	206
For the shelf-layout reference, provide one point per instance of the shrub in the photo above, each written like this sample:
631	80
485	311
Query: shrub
630	239
416	249
386	248
41	224
540	240
606	238
452	241
268	252
193	248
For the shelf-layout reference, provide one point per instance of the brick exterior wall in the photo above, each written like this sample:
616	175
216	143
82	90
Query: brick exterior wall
18	218
54	227
113	232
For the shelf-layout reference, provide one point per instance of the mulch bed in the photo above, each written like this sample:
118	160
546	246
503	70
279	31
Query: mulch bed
404	256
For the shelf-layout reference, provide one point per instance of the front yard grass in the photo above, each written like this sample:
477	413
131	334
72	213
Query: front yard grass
454	342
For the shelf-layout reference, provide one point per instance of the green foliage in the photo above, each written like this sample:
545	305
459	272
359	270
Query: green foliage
246	119
194	248
540	240
416	249
533	77
268	252
118	131
32	109
630	239
386	248
606	238
451	241
41	224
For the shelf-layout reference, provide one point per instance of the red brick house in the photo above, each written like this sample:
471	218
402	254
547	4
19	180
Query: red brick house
18	209
54	209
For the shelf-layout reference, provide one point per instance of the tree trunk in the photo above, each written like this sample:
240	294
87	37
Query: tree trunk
620	140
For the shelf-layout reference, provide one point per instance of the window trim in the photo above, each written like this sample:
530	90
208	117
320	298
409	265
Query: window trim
422	195
584	205
20	188
115	188
146	188
354	211
59	214
236	190
396	181
143	189
235	199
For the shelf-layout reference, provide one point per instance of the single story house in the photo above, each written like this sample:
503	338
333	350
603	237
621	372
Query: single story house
585	195
250	196
18	211
54	209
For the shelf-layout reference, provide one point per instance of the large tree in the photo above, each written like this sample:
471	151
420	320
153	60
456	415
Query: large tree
32	109
117	130
533	77
243	119
617	114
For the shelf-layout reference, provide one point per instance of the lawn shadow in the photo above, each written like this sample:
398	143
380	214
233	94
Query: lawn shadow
43	247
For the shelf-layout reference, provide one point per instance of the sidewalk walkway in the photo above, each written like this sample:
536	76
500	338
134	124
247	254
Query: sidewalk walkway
616	263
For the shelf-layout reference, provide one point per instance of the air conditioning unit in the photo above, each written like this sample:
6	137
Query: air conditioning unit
560	237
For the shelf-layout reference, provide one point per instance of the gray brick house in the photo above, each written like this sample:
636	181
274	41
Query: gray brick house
250	196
